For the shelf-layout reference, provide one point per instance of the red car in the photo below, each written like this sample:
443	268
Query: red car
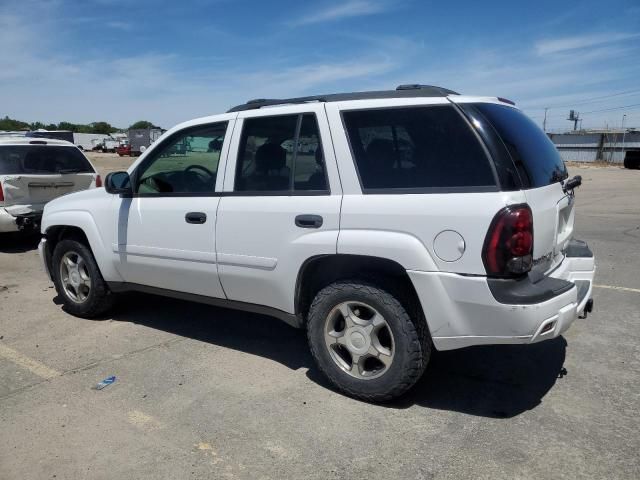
124	150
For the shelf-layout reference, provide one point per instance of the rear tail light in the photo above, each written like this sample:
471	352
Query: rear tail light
98	181
1	194
508	246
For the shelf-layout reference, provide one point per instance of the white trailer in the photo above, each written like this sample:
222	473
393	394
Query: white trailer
87	141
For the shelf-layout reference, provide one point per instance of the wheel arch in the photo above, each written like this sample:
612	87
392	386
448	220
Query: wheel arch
79	226
321	270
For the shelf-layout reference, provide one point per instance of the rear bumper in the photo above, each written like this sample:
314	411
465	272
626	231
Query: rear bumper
462	311
7	222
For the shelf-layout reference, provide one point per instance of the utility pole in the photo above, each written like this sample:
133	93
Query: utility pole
623	132
544	122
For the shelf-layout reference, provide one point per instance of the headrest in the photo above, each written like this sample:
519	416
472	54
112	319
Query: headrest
270	156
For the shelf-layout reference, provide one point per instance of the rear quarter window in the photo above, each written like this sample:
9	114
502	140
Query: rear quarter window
536	158
43	160
417	149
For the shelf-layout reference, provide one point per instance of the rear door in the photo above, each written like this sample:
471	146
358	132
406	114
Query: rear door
281	203
541	172
32	175
423	191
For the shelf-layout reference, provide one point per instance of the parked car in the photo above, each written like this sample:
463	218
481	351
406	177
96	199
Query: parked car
124	150
386	224
66	135
35	171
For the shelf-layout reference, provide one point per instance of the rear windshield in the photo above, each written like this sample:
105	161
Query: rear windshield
416	149
36	159
533	153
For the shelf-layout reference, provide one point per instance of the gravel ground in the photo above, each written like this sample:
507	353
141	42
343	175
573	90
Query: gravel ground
204	392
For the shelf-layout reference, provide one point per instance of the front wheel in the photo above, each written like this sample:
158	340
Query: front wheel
364	341
78	280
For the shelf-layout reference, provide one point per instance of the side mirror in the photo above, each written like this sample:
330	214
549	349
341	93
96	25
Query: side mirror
118	183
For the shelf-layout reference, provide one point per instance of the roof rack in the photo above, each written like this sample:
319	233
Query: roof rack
402	91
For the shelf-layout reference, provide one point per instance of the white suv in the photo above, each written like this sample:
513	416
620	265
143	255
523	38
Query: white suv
34	171
385	223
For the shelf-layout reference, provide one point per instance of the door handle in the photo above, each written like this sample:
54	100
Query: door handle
195	217
309	221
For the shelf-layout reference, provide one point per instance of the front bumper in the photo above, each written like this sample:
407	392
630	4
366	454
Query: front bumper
45	257
462	311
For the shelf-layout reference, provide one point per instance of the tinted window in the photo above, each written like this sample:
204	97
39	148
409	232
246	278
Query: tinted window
281	153
534	155
31	159
309	171
416	148
187	162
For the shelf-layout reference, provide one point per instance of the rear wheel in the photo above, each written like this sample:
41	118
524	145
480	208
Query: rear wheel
78	280
364	341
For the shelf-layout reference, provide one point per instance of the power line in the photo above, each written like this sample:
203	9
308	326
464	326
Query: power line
614	108
597	99
591	100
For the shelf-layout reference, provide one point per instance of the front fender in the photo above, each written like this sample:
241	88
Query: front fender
84	221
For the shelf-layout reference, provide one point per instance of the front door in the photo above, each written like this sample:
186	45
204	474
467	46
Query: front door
166	232
281	204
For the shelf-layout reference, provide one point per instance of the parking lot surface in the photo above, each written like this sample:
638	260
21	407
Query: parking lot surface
204	392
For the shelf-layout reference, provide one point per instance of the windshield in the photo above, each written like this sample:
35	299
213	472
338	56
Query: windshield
534	155
40	159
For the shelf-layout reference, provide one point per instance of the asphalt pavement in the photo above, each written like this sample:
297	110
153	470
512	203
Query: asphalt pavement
204	392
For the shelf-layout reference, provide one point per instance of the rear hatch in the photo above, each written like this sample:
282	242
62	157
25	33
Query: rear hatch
32	175
541	172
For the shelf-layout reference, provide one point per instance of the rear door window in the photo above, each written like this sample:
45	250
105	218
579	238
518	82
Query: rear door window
281	154
417	149
536	158
42	160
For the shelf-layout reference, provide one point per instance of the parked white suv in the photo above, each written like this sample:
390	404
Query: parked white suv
34	171
385	223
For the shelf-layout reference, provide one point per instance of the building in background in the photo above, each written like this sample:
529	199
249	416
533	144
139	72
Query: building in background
596	145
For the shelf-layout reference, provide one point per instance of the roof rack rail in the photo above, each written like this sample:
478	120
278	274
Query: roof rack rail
402	91
413	86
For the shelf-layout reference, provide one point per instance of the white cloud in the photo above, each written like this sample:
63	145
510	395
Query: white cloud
51	86
118	25
564	44
347	9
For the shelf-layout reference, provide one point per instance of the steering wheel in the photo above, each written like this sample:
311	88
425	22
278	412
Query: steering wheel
200	167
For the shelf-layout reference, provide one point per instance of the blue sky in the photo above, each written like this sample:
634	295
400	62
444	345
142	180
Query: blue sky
121	61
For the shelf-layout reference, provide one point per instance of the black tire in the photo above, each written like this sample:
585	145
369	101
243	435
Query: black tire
99	299
412	345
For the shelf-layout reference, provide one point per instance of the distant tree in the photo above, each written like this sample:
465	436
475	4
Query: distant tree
102	127
142	124
51	126
36	126
68	126
10	124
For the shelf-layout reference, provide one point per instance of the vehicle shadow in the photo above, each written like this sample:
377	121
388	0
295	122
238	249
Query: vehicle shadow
498	381
18	242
